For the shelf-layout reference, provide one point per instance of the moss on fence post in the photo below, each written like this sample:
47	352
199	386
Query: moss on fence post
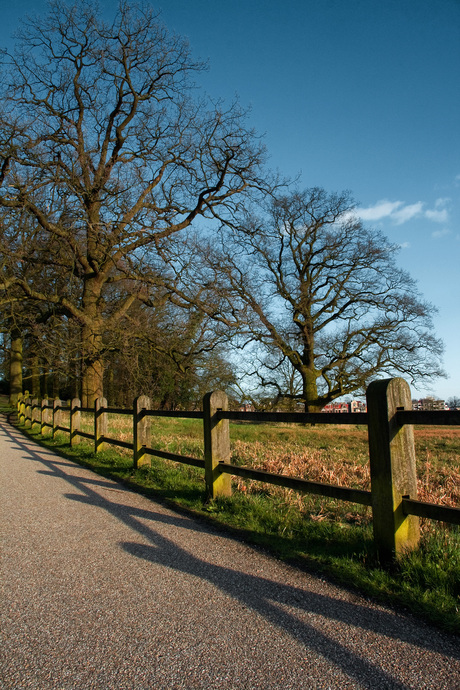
392	464
28	411
141	429
216	445
47	417
22	408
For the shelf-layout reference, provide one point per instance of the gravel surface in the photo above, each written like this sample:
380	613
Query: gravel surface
103	588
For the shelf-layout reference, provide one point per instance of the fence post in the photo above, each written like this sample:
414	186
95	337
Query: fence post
28	411
22	409
141	429
216	445
42	414
392	464
100	424
46	420
35	413
57	415
75	421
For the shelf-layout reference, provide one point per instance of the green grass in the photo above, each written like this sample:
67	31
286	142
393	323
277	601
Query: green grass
320	535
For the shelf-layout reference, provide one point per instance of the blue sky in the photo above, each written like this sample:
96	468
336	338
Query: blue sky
361	95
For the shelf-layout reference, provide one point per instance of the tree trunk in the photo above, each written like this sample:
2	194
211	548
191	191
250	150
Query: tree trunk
15	366
35	376
310	391
93	367
55	379
92	382
45	381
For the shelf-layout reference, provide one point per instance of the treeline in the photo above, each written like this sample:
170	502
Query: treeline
176	359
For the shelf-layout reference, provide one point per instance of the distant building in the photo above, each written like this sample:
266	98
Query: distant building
246	407
358	406
426	404
353	406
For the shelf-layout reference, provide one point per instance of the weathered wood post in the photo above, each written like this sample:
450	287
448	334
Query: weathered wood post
100	424
392	464
57	415
47	417
26	402
75	421
35	413
22	409
28	412
42	415
141	430
216	445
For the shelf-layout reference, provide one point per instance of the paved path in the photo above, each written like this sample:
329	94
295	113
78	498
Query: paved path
102	588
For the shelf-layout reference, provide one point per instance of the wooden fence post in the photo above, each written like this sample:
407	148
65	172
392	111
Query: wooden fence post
46	420
100	424
75	421
42	414
392	464
57	415
35	413
141	429
21	409
28	411
216	445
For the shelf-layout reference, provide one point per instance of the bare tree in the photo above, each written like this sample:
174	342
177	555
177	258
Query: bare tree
309	286
108	149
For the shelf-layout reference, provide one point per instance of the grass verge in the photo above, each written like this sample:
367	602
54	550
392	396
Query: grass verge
425	582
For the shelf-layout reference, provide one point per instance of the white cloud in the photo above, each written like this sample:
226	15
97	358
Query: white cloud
441	233
438	216
399	212
382	209
396	211
404	245
402	215
444	201
440	213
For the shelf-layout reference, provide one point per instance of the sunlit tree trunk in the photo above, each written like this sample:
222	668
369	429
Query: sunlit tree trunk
310	391
93	367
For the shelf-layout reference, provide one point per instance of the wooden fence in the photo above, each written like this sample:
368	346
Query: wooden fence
390	420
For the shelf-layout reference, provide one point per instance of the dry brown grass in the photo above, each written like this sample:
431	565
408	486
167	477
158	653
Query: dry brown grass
329	454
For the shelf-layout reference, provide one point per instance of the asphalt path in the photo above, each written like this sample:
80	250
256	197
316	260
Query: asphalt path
104	588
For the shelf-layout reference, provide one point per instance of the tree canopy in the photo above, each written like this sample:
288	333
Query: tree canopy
319	299
109	150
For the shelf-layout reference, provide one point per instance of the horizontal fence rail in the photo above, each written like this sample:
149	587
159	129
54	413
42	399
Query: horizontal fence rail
296	417
184	459
182	414
433	511
390	420
342	493
429	417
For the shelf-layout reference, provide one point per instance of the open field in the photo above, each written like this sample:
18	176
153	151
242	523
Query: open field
330	454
